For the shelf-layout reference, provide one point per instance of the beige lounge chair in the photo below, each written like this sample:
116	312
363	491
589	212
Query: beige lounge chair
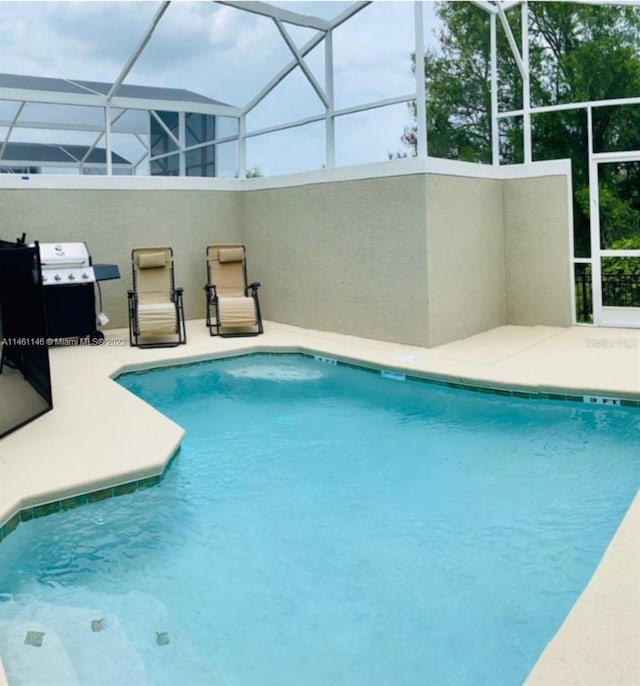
156	312
233	308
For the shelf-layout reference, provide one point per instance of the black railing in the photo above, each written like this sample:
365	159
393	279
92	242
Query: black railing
618	290
621	290
584	302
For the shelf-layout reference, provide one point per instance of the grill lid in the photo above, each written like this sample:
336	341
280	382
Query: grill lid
65	264
64	255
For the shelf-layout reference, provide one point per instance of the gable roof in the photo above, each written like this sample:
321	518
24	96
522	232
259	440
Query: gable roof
37	154
77	92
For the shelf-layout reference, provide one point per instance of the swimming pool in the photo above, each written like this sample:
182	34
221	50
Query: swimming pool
325	525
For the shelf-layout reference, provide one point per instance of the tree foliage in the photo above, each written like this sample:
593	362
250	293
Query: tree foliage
577	53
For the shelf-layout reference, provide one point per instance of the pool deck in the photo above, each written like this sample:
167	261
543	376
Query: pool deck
99	435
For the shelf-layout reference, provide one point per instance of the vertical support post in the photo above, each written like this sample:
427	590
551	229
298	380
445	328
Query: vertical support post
594	224
148	145
107	137
216	147
242	146
182	137
330	122
526	83
421	96
495	129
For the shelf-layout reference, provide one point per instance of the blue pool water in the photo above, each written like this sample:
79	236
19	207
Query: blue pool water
323	525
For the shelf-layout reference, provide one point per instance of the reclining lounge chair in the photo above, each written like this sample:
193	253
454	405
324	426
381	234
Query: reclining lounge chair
233	308
156	312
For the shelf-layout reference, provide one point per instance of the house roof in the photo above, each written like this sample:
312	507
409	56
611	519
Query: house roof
37	154
45	83
78	92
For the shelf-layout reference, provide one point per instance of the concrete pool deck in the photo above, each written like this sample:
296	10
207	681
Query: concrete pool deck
98	436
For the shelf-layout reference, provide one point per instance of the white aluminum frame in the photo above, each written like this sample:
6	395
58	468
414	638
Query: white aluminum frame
602	316
497	9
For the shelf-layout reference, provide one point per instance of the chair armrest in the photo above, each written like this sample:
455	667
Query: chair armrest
254	286
131	294
210	289
179	290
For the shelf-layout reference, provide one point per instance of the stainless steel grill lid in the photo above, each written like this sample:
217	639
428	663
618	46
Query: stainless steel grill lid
65	264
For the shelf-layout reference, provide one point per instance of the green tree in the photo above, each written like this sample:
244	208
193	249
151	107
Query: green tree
577	53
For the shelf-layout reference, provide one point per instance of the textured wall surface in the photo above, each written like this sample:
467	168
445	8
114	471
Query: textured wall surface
537	251
348	257
465	256
420	258
112	222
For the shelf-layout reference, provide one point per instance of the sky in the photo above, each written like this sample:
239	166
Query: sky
229	55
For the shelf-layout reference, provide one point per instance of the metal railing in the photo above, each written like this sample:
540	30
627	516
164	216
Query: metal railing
584	300
621	290
618	290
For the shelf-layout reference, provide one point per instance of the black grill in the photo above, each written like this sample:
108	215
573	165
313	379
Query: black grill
70	281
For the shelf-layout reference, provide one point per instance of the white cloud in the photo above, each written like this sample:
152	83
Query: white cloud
70	39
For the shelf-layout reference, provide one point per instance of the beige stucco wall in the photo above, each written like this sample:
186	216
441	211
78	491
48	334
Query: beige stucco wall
421	258
112	222
537	251
348	256
465	256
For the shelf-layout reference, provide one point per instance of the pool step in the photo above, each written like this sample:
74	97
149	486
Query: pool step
58	645
31	665
134	641
100	649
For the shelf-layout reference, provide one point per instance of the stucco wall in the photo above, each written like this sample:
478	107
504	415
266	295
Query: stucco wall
112	222
348	257
422	258
537	251
465	256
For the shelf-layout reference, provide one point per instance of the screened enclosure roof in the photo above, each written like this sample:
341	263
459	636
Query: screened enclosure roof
119	108
39	154
93	93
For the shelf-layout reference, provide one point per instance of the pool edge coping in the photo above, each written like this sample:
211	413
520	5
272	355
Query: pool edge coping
45	508
468	383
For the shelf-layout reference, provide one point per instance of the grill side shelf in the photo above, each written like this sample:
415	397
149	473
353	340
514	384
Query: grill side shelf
106	272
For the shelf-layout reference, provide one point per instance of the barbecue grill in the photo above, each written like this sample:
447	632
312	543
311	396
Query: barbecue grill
69	279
